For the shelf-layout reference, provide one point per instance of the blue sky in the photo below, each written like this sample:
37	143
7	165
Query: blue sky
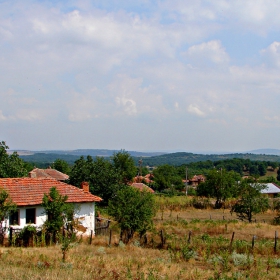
140	75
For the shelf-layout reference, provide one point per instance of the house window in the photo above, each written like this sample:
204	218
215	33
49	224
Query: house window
14	218
31	216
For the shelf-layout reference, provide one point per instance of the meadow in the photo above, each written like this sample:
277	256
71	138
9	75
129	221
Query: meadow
186	243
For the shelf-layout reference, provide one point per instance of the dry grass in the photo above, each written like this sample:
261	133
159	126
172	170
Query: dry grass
207	256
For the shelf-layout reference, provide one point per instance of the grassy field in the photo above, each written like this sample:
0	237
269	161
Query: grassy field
186	244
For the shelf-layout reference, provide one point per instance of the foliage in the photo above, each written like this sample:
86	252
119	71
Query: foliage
67	242
62	166
27	233
220	184
180	158
55	207
166	177
251	200
133	210
101	175
11	166
124	164
278	174
277	208
7	207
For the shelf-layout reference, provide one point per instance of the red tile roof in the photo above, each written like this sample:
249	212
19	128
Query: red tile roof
30	191
48	173
141	187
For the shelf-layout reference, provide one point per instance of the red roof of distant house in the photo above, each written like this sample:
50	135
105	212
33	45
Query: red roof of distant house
30	191
48	173
147	179
142	187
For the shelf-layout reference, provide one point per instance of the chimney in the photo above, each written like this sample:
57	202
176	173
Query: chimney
85	186
32	174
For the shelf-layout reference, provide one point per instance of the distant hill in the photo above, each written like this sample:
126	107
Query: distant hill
43	159
266	152
86	152
185	158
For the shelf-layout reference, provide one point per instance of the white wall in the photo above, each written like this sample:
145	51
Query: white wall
85	214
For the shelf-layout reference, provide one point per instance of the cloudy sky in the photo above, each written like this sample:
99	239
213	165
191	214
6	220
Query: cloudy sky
162	75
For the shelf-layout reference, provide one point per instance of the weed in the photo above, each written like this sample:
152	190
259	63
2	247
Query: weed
188	253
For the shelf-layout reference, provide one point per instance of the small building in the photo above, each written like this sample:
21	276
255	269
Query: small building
27	194
271	189
142	187
48	173
196	180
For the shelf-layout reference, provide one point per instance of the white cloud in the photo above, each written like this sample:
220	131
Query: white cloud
193	109
81	107
93	68
209	52
272	54
2	117
128	105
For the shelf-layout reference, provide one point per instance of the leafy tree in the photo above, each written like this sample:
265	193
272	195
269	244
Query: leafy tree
101	175
277	208
251	200
167	177
220	184
11	166
7	207
81	171
124	164
104	179
278	174
56	209
254	171
262	166
133	210
62	166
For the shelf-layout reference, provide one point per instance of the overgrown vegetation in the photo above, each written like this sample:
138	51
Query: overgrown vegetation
7	207
133	210
184	244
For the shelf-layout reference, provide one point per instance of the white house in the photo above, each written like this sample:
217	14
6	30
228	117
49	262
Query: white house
27	194
271	189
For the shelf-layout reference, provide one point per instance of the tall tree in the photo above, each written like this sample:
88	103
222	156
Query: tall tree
103	178
278	174
62	166
251	200
10	165
133	210
7	207
167	177
220	184
124	164
56	209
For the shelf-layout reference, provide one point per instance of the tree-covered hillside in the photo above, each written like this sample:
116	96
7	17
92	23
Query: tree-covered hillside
177	159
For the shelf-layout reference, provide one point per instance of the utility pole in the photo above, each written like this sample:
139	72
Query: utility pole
140	167
186	180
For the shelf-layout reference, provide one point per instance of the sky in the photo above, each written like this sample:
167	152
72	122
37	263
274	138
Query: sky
165	75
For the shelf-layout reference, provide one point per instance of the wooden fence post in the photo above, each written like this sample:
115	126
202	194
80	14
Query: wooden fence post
275	242
11	236
90	239
110	237
190	234
162	238
253	241
231	241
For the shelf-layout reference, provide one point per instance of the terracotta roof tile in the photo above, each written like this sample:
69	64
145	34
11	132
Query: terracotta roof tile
30	191
141	187
48	173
